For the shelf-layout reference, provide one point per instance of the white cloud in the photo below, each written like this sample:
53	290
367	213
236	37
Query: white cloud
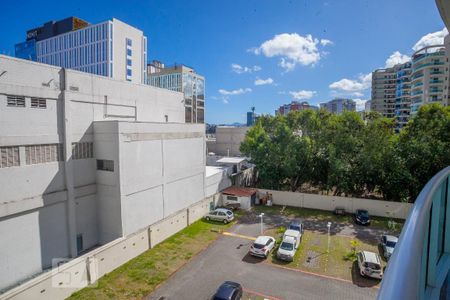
242	69
360	104
225	100
434	38
363	82
302	94
259	81
325	42
292	49
234	92
396	58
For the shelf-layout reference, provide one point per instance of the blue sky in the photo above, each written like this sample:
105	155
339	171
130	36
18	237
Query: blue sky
307	50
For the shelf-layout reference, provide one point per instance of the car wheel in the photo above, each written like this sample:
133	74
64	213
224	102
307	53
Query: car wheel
225	221
207	219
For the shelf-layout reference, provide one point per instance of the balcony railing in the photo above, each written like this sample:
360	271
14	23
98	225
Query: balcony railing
420	263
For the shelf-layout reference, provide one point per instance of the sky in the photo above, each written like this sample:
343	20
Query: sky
261	53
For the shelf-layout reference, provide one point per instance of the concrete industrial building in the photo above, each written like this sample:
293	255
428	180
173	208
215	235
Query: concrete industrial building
293	106
97	159
227	140
112	48
383	91
428	76
182	79
339	105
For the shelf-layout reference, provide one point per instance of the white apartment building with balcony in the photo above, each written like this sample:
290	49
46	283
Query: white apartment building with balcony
429	67
85	159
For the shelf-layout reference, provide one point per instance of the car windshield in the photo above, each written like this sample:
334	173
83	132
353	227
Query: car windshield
258	246
390	244
229	213
372	266
295	227
286	246
363	213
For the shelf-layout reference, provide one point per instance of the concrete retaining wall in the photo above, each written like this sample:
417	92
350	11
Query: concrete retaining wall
62	281
323	202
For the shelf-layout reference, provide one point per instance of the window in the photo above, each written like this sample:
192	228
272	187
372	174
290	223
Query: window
9	157
38	103
17	101
166	117
129	42
38	154
129	72
129	52
128	62
105	165
82	150
234	198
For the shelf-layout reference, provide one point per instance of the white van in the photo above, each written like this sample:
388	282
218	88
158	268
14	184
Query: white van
289	245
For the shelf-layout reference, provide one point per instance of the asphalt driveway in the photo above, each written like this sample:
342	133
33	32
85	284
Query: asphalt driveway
227	259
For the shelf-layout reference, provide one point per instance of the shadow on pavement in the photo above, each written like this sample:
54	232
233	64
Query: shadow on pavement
360	281
252	259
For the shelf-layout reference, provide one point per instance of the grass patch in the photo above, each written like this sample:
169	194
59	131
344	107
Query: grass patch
140	276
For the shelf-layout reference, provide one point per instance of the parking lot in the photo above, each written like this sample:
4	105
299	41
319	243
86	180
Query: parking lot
227	259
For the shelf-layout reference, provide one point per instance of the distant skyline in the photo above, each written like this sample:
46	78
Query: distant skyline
259	53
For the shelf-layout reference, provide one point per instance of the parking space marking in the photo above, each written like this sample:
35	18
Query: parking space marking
260	295
239	235
314	274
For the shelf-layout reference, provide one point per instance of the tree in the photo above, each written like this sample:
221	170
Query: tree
346	155
424	145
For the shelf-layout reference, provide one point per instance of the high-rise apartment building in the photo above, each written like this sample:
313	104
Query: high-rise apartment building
112	48
446	95
402	94
339	105
383	91
183	79
428	76
294	105
251	117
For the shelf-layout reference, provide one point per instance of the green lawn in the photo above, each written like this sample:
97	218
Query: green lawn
322	215
141	275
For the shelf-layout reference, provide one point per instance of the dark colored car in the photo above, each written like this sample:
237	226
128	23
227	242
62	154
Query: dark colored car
229	290
362	217
296	225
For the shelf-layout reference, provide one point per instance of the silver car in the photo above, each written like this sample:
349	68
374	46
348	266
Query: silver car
221	215
388	243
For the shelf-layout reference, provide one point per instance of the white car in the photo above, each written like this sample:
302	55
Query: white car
289	245
262	246
221	215
369	264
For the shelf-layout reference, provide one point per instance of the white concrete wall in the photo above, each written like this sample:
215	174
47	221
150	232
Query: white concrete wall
161	169
217	182
375	207
122	31
29	241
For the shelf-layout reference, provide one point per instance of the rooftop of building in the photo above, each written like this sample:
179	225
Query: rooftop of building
231	160
239	191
